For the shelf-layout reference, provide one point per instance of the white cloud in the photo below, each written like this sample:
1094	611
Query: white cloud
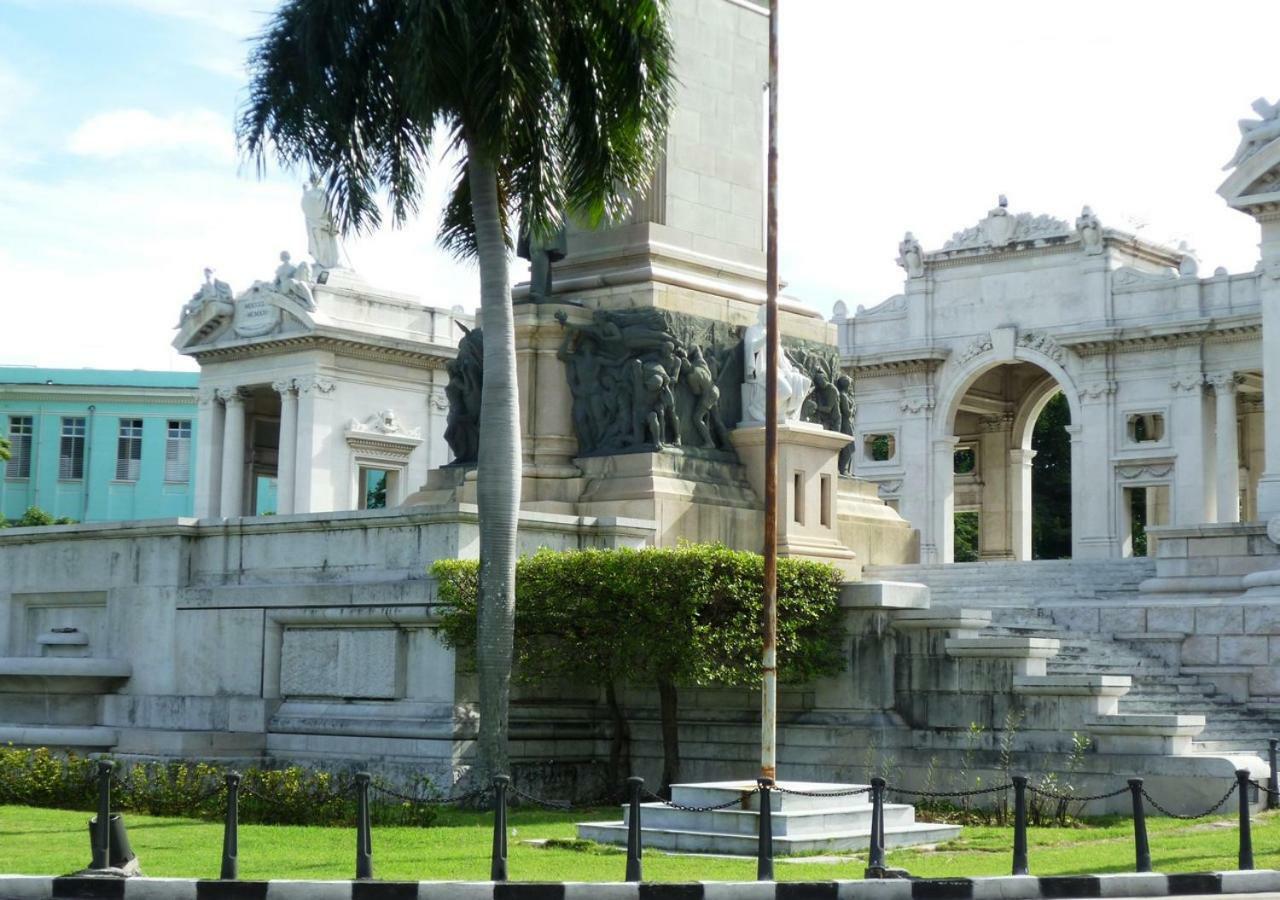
137	132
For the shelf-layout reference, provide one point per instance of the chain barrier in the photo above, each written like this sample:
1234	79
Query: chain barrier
561	805
737	801
777	788
1266	790
1073	798
432	801
973	793
1208	812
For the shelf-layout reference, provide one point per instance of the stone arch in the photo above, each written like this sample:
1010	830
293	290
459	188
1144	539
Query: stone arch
941	537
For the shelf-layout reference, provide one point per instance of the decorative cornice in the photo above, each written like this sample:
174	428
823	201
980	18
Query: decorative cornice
1148	468
437	358
315	384
183	398
1246	328
996	423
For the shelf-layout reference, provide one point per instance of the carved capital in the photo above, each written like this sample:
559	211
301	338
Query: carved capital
915	405
206	395
1098	391
1222	382
284	386
315	385
1187	382
230	396
437	398
997	423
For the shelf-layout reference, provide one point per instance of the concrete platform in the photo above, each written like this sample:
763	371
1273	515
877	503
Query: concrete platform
800	823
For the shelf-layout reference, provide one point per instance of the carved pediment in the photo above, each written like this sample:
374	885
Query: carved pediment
1001	228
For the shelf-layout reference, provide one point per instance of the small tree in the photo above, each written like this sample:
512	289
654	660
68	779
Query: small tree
35	517
666	618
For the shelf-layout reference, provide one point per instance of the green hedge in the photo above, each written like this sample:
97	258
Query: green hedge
293	795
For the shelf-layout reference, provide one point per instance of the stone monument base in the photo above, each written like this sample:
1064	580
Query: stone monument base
801	824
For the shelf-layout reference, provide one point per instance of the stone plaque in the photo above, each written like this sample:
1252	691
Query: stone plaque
255	314
361	663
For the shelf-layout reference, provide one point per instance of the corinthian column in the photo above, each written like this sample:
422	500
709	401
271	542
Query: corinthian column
287	453
1228	449
208	454
232	454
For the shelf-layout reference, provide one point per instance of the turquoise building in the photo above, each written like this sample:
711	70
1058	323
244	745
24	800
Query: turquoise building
97	445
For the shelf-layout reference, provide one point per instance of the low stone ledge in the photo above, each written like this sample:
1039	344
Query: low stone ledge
1001	647
1153	733
1073	685
958	620
884	595
1015	887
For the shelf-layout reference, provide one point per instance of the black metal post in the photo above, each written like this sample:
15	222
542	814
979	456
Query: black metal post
498	864
101	857
231	830
364	836
875	854
1273	780
1019	824
1246	837
764	831
634	850
1141	848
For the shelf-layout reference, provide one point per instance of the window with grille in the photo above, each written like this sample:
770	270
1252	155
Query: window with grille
177	451
21	429
71	449
129	450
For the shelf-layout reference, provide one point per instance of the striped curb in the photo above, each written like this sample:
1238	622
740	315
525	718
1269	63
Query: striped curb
1026	887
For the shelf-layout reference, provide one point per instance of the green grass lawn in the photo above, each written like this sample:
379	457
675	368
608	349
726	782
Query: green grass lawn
45	841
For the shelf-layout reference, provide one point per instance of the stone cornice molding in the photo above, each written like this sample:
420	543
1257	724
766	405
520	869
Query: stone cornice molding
436	358
185	397
1188	333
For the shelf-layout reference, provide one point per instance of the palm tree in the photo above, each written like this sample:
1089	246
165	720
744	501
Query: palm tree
555	106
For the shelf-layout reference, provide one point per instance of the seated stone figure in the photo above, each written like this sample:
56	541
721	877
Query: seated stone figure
793	385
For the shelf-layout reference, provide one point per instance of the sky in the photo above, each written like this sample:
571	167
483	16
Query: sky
120	181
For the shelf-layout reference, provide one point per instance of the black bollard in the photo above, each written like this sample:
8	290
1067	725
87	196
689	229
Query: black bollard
634	850
101	856
1273	780
231	830
498	865
764	833
1141	848
875	854
1246	837
364	836
1019	824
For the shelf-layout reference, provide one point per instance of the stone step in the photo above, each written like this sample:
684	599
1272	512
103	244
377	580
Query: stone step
815	796
688	841
660	817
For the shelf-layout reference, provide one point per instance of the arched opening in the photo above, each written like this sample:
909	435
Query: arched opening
1012	467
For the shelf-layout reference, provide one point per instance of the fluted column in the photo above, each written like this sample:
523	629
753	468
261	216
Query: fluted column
208	455
1228	446
232	454
287	453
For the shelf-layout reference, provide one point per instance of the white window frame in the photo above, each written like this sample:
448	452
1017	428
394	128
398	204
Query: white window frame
20	448
129	449
177	451
72	435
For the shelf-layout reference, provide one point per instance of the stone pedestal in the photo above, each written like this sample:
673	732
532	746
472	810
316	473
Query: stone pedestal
808	485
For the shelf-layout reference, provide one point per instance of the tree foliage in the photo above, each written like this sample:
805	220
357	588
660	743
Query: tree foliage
666	618
35	517
1051	482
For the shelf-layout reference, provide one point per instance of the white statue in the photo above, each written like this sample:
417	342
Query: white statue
793	385
211	291
1090	231
322	234
998	227
910	256
293	281
1257	133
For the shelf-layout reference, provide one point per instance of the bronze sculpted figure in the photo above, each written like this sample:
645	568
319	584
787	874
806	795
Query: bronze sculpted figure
466	380
844	384
541	254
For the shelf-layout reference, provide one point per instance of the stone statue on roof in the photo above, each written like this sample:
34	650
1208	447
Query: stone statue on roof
910	256
1256	133
322	234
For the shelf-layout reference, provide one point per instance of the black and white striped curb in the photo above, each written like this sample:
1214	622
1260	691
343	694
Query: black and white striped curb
1027	887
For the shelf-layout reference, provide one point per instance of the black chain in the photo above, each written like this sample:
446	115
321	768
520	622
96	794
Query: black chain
973	793
1208	812
849	793
737	801
1265	788
431	801
562	805
1074	798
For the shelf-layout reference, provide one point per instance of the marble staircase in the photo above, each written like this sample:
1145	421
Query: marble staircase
1023	598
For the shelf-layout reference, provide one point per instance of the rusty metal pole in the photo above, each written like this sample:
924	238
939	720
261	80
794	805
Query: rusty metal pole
769	661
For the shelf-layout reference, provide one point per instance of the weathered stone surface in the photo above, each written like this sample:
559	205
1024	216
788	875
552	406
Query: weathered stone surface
338	662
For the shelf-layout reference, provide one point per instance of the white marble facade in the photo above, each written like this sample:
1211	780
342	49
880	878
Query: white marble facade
1162	369
312	387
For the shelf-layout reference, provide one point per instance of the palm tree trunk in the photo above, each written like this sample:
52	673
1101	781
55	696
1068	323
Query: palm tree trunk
497	473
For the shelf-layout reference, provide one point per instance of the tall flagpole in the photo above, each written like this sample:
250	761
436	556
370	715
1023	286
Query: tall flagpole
769	660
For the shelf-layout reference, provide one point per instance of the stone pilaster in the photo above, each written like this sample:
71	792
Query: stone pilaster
312	484
1020	501
994	533
1226	431
1092	479
943	489
208	456
1192	477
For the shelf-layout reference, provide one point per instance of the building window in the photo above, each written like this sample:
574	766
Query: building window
966	461
129	450
177	452
71	449
20	430
1146	428
376	487
879	447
